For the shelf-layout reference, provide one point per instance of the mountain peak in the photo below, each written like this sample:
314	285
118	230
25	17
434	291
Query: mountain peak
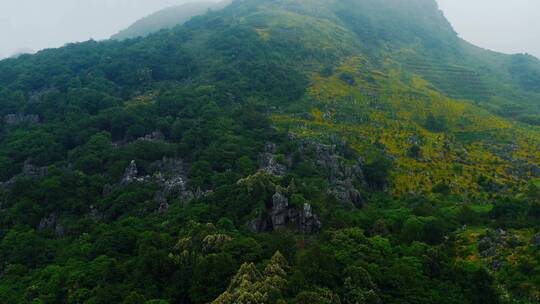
167	18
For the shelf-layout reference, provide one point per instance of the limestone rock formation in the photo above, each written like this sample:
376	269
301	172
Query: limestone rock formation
29	171
270	164
282	215
51	222
13	120
170	176
342	177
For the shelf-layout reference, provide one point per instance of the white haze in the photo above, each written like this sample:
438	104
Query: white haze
510	26
39	24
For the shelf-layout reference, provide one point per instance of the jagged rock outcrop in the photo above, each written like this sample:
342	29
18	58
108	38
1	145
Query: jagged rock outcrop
31	171
170	175
131	173
154	136
28	171
345	191
270	164
341	176
279	214
51	222
494	242
13	120
282	215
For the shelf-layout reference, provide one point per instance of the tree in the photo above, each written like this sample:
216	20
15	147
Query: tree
210	276
134	298
320	296
436	124
413	229
249	286
359	287
377	172
414	152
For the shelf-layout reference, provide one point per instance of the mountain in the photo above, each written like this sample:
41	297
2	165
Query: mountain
22	51
275	151
167	18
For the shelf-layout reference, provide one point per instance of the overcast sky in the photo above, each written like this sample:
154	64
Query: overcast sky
508	26
38	24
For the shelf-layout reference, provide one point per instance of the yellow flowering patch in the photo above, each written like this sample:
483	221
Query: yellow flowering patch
385	109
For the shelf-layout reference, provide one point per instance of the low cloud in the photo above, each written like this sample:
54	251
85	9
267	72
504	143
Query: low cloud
39	24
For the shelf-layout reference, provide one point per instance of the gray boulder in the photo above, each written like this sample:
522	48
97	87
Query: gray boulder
51	222
283	215
269	162
154	136
131	173
280	211
345	191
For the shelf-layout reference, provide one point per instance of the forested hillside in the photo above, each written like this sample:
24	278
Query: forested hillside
275	151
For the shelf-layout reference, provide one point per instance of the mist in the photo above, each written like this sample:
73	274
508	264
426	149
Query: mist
508	26
500	25
37	24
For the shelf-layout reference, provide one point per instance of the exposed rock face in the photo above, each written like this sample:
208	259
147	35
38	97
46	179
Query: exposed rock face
341	176
280	211
31	171
28	171
13	120
282	215
131	173
48	222
269	162
51	222
520	167
495	242
170	176
345	192
156	135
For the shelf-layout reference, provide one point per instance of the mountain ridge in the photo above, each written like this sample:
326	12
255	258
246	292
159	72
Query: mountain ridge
167	18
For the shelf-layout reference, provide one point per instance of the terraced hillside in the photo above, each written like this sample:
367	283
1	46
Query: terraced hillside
433	140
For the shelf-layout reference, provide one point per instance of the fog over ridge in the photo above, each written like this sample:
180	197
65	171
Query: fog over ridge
39	24
500	25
